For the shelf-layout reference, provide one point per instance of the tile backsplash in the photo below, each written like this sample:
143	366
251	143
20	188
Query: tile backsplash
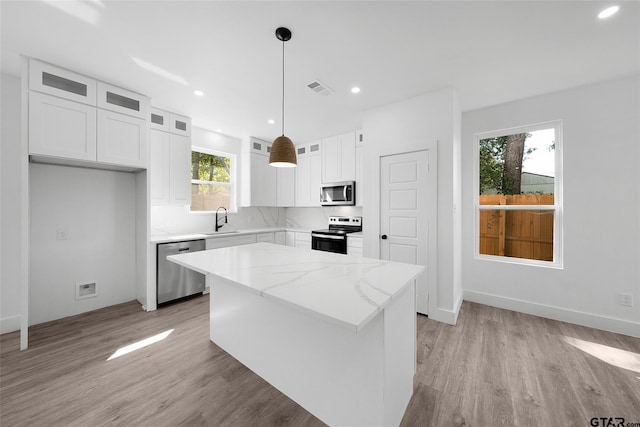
315	218
179	220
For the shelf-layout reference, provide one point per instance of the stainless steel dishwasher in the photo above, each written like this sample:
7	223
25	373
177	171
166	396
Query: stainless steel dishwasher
175	281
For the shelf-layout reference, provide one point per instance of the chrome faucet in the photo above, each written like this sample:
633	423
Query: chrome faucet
218	226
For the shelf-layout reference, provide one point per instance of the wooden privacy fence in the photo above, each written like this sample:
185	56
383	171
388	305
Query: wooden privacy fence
517	233
208	199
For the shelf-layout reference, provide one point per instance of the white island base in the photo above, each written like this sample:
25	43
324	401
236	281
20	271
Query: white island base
337	334
342	377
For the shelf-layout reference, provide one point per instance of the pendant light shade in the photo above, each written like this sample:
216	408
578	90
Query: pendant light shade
283	152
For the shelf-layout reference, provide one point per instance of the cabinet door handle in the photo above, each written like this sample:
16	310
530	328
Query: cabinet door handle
383	237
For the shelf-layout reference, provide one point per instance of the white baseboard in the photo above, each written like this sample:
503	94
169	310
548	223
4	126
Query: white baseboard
610	324
449	317
9	324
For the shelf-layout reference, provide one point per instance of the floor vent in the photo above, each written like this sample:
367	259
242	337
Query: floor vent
320	88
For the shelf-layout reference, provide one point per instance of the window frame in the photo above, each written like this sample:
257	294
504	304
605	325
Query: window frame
557	207
232	184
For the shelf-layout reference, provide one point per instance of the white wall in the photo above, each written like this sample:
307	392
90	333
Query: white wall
97	208
430	121
10	212
601	137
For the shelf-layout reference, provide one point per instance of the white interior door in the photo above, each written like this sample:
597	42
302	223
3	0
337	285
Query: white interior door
403	214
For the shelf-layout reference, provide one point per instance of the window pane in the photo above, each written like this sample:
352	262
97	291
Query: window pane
522	163
207	167
524	234
209	197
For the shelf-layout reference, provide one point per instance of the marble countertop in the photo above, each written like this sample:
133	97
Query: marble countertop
168	237
345	290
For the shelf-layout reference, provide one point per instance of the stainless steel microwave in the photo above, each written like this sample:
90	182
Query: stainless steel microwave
338	193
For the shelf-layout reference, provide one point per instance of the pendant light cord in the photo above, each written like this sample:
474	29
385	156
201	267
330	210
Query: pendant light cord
282	87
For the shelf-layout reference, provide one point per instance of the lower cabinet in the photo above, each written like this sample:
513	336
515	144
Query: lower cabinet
280	238
354	246
223	242
303	240
265	238
290	238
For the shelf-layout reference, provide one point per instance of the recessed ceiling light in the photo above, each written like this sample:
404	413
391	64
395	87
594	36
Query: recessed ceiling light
355	89
271	121
219	130
198	93
608	12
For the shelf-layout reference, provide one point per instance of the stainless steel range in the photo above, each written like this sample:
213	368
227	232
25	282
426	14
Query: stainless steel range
334	239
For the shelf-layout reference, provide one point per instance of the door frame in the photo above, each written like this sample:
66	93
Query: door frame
432	218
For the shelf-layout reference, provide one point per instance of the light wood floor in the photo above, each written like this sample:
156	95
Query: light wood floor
495	367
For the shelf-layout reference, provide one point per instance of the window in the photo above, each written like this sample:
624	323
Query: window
518	178
212	180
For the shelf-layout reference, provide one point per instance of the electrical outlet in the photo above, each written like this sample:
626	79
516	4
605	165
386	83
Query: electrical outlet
625	299
62	234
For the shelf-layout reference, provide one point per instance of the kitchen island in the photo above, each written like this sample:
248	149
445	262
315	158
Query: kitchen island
335	333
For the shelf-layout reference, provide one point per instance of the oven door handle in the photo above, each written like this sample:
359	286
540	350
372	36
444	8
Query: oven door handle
325	236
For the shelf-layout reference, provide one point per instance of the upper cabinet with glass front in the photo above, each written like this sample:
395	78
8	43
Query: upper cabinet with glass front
75	118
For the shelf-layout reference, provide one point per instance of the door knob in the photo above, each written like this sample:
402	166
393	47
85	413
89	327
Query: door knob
383	237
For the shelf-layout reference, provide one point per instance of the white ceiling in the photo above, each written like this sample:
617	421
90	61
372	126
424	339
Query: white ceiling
490	52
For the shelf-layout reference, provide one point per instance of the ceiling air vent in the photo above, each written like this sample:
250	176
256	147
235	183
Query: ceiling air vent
320	88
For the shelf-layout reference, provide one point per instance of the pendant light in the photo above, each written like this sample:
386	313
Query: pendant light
283	152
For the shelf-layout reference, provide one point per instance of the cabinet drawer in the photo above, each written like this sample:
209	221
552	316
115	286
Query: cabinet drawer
245	240
355	242
303	240
219	242
354	251
122	101
59	82
265	237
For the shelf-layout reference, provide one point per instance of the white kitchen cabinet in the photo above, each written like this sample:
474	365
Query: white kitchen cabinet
285	187
359	177
280	238
269	186
339	158
122	139
223	242
179	170
179	125
159	158
290	238
303	240
61	128
62	83
308	174
122	101
169	158
84	120
354	245
263	181
265	238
